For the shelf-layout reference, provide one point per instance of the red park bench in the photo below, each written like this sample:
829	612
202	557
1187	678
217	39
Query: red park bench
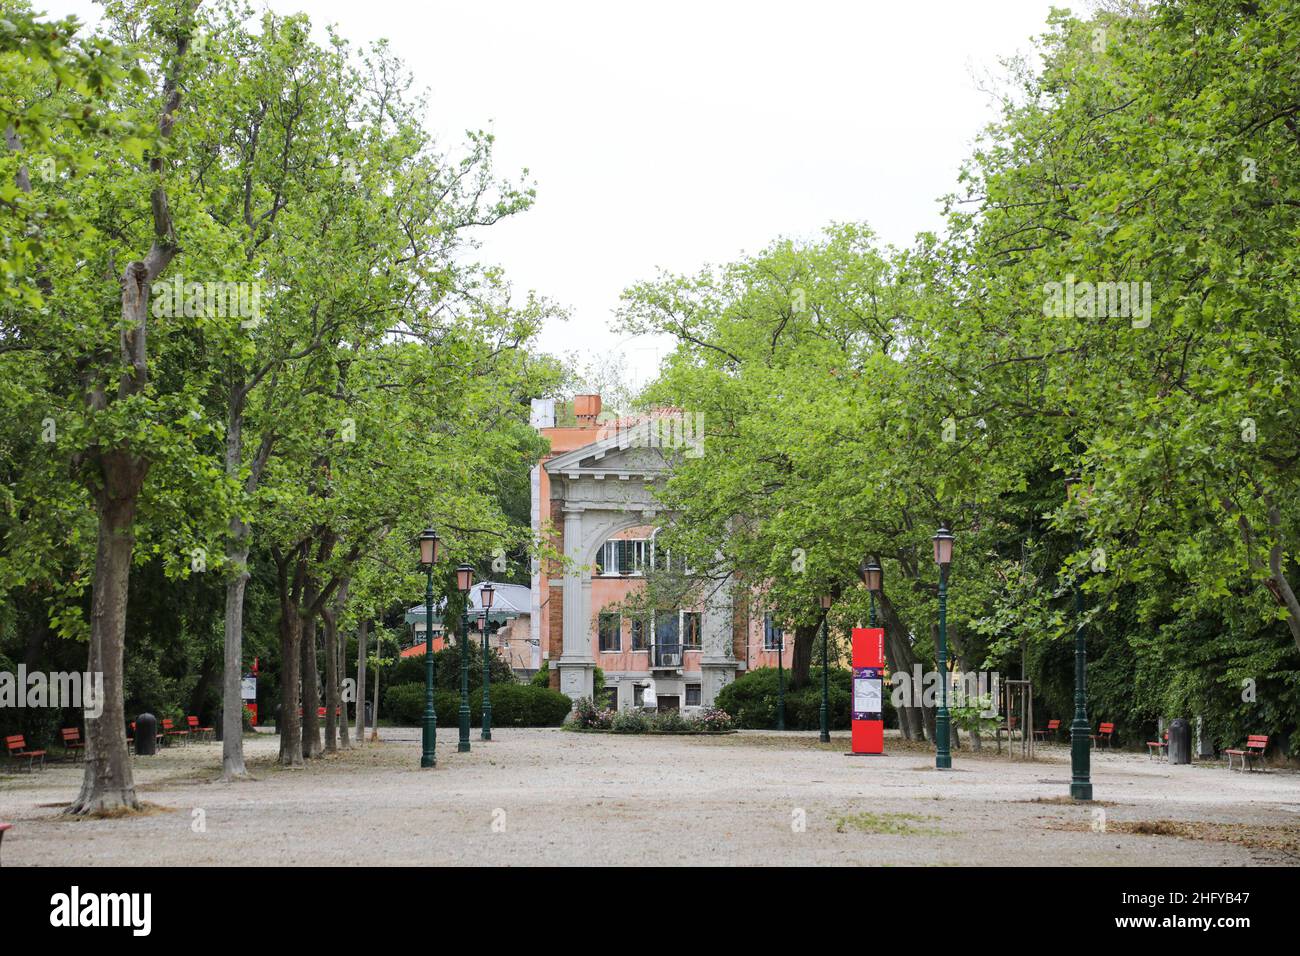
320	712
1104	732
198	731
1050	732
1159	747
4	828
170	730
17	747
72	742
1256	744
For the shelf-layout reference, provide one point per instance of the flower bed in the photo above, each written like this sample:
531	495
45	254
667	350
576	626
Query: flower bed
589	718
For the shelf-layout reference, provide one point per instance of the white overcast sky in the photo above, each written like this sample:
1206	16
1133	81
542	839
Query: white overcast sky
675	134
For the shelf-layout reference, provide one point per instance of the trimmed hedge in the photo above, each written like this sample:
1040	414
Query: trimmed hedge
513	705
751	700
446	662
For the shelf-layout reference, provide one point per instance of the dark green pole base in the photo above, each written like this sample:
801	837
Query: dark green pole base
1080	760
943	754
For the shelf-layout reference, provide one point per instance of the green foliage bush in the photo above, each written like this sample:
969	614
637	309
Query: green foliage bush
446	664
751	700
630	721
513	705
587	716
633	720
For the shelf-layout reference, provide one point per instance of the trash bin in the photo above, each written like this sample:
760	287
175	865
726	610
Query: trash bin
146	735
1180	741
370	714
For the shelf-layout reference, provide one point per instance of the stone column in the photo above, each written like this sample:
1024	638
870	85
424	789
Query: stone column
717	663
576	665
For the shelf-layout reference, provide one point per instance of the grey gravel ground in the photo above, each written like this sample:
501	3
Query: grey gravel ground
547	796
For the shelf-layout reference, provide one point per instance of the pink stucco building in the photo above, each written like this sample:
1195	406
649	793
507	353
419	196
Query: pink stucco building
594	495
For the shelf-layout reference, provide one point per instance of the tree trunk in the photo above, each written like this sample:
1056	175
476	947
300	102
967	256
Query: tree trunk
374	717
107	783
805	637
902	659
290	680
332	695
311	742
207	671
232	704
290	651
345	742
363	632
905	724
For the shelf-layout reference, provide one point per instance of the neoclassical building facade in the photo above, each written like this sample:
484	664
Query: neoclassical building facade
595	497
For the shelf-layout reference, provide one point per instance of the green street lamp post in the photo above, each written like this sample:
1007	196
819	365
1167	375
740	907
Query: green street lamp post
1080	757
428	558
873	578
780	678
826	667
943	557
464	581
485	594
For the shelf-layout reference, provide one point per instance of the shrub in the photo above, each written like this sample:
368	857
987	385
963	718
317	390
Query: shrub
752	700
629	721
521	705
513	705
446	664
715	719
671	722
587	716
404	703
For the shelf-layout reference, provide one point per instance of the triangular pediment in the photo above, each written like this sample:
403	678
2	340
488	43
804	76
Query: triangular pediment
623	454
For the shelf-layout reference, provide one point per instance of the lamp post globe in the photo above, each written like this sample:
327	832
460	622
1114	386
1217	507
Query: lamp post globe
873	577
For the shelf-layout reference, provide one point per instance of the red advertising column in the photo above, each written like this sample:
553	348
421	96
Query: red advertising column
868	708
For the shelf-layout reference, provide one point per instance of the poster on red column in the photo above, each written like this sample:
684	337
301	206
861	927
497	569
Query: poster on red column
868	706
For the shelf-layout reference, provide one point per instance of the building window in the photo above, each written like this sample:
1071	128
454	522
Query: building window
611	697
771	634
663	560
668	639
692	695
623	558
691	629
610	629
668	627
638	695
640	634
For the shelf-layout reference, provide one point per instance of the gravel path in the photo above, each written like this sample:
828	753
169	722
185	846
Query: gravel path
548	796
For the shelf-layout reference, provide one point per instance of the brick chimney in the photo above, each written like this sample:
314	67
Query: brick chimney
586	409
